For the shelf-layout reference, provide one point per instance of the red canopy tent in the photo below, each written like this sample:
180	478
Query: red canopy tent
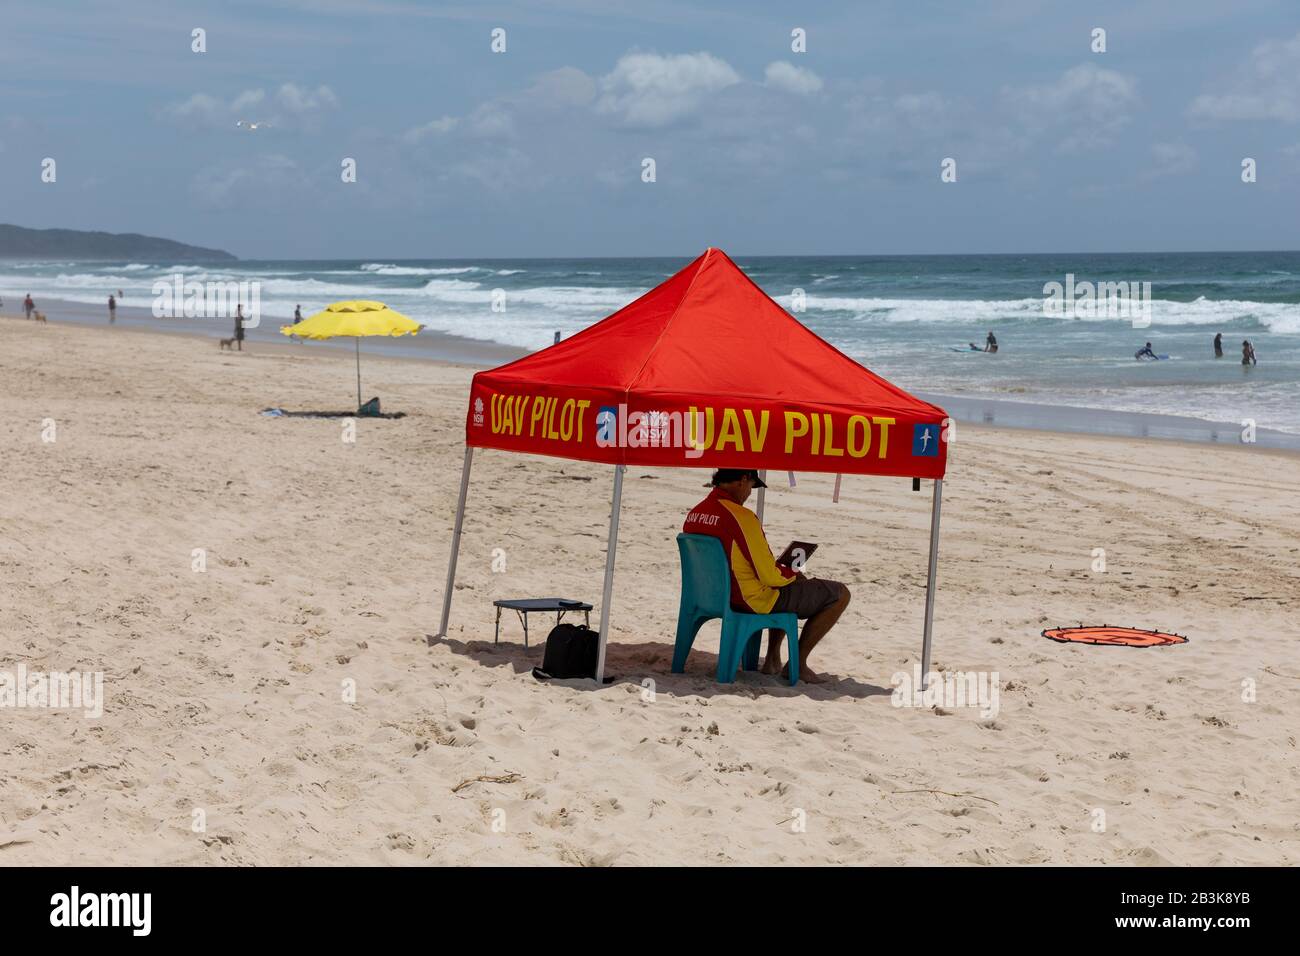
704	370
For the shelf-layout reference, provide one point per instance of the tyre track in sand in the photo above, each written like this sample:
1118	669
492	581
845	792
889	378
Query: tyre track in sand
1273	568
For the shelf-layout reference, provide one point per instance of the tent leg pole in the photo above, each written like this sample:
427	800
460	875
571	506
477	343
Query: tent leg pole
762	497
608	593
455	542
930	581
358	340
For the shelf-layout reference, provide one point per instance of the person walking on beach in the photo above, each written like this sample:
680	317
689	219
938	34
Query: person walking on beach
1218	345
28	306
239	325
297	317
990	343
112	309
1248	353
758	584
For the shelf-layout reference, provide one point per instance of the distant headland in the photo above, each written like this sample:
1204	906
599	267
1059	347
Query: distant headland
17	242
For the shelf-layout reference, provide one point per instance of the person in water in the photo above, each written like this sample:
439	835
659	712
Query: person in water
1218	345
1248	353
991	343
1145	352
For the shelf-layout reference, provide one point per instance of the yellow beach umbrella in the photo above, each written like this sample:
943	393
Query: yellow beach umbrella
354	318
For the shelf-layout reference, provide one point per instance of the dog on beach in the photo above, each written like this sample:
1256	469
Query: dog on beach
228	344
38	316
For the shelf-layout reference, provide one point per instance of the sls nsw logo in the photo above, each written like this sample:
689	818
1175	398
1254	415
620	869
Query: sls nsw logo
478	412
617	427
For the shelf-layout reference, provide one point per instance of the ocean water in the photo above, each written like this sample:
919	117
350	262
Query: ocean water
901	316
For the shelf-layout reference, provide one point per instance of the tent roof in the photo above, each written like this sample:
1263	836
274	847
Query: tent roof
710	331
744	381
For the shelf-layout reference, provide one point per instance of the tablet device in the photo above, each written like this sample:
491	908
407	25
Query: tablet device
796	555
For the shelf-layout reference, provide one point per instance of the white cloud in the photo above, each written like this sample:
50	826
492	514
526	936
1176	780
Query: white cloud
247	100
917	117
499	170
916	108
567	86
200	106
436	127
1171	158
490	121
1088	102
789	78
1267	88
650	90
261	180
295	99
562	89
291	105
1086	89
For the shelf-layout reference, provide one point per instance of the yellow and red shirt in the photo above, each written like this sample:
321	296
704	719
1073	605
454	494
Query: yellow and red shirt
755	575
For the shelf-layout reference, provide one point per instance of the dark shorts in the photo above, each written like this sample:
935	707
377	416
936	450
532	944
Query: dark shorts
805	598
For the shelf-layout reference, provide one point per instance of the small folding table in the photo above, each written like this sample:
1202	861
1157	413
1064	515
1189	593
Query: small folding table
524	606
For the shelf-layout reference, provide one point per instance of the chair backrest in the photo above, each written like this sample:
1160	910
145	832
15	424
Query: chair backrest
706	579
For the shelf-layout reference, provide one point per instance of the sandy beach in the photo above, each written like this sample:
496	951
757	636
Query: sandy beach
225	689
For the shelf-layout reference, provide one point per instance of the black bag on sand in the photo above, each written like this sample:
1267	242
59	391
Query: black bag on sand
571	651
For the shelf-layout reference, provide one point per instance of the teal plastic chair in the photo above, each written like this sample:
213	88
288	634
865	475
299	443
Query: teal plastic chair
706	594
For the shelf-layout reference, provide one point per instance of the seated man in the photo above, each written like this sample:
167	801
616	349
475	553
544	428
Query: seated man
758	584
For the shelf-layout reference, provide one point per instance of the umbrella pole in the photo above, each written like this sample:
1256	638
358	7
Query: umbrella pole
929	584
762	496
358	339
608	593
455	542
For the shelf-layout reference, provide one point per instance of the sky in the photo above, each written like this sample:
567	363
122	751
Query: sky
540	149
